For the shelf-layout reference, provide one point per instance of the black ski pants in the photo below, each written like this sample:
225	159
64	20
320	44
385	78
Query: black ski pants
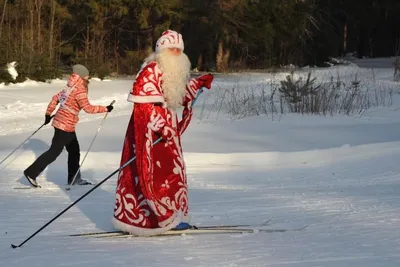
60	140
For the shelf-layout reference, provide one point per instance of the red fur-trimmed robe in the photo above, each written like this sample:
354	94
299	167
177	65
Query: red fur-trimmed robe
152	193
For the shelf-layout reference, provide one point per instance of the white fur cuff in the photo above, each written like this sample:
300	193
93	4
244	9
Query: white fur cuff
146	99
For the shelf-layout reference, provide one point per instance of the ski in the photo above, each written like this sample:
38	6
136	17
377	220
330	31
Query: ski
36	188
205	231
24	187
71	186
118	232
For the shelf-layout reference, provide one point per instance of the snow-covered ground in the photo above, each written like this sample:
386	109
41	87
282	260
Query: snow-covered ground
338	175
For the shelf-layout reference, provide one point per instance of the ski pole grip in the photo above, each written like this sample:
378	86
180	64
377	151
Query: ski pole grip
112	103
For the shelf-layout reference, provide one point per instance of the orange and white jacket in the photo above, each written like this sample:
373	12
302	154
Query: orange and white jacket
72	99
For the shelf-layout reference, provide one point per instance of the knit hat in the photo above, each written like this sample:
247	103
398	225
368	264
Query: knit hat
169	39
80	70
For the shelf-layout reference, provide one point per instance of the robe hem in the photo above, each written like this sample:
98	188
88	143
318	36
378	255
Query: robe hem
141	231
171	219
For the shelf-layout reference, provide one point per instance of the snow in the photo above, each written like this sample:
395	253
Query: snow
11	69
338	174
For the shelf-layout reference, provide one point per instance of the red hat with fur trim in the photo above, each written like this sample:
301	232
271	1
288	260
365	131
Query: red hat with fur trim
169	39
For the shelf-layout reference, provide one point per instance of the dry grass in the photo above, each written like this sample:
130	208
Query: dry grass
299	95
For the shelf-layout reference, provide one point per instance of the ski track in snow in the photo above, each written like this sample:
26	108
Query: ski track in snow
338	175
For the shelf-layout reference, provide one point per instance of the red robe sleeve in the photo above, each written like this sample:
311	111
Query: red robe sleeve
160	122
192	87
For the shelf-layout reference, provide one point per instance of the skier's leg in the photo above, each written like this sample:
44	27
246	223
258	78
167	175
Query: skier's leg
74	156
57	145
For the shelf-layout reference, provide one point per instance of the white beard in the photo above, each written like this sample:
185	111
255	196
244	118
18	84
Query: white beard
176	72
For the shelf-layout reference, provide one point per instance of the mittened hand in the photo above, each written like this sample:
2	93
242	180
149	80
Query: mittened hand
109	108
47	119
206	80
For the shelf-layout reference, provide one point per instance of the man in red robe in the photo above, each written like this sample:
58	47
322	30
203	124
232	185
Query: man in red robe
152	192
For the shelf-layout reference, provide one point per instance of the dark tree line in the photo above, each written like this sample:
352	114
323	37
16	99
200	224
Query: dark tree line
113	36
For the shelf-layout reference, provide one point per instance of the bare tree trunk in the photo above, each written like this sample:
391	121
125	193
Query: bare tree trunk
225	58
396	74
2	17
51	34
371	46
222	59
149	42
199	62
31	36
93	42
116	45
9	44
220	54
39	4
22	39
345	39
87	44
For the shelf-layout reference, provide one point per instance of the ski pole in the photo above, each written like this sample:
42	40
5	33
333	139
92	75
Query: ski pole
98	130
24	141
91	190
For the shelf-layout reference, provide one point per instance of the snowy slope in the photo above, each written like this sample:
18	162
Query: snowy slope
339	175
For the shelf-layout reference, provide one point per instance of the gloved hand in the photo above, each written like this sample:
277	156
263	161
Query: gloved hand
47	119
109	108
206	80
